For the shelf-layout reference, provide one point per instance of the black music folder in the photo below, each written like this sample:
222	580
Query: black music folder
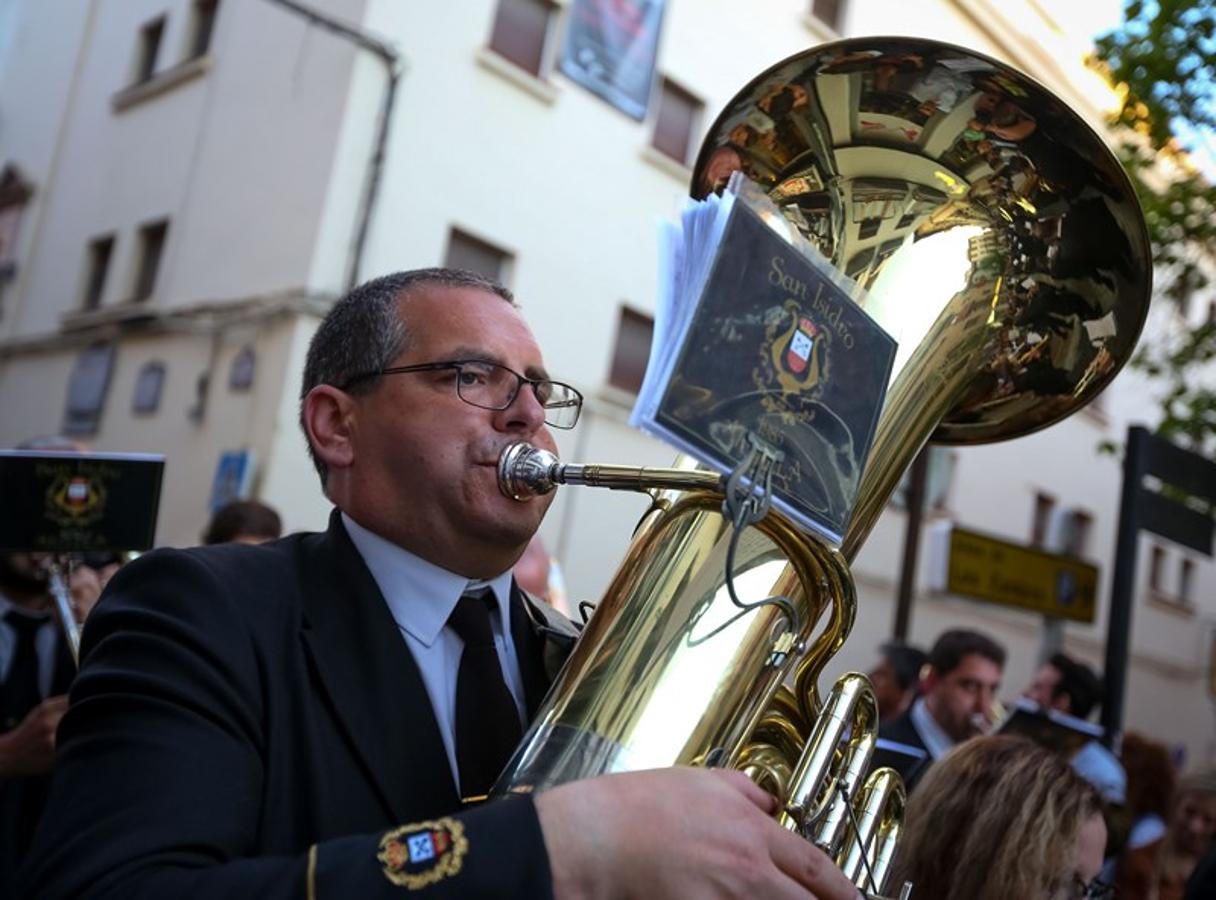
910	762
1049	728
758	337
52	502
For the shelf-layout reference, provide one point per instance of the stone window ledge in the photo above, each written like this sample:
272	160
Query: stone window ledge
135	94
118	313
542	90
1170	603
660	160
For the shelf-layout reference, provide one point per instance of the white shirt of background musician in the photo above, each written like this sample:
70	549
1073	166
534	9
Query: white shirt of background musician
44	643
936	741
421	596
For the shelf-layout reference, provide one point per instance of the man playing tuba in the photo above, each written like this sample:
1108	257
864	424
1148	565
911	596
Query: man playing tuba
303	718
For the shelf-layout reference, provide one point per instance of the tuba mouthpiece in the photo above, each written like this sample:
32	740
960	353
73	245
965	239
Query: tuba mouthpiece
525	471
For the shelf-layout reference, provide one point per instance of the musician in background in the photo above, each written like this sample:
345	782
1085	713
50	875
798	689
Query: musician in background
958	691
36	669
244	522
1069	686
304	717
1065	684
896	678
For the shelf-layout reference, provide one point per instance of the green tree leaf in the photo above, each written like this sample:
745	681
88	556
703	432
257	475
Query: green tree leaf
1163	60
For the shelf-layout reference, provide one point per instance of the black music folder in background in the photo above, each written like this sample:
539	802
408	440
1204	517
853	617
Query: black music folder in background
757	336
53	502
1049	728
910	762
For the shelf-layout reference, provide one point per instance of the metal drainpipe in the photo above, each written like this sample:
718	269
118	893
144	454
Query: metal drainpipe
392	61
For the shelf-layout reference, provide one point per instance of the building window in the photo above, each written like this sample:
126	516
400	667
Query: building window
10	225
829	12
1186	578
87	388
151	249
202	389
148	387
240	374
939	479
15	193
1156	568
97	267
678	117
1044	505
147	48
475	255
634	331
520	32
201	26
1075	540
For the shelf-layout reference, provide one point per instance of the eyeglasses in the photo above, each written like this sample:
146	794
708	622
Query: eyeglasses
491	386
1095	890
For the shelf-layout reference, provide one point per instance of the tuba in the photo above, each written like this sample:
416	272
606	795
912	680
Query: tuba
993	234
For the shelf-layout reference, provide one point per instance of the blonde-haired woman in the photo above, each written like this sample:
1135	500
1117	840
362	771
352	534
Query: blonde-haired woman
1000	818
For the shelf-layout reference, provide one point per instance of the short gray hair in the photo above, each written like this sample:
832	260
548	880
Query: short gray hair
364	332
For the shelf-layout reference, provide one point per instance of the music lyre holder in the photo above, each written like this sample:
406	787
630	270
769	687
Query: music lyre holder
747	497
749	487
525	471
58	568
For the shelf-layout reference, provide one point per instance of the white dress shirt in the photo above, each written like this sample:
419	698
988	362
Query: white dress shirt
44	643
421	596
937	742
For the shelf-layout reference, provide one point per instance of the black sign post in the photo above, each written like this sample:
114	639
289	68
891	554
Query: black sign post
1187	474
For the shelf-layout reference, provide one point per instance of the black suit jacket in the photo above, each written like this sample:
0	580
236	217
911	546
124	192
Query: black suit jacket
901	730
238	706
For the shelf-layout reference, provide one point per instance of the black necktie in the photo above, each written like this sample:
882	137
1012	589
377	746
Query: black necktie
19	693
487	719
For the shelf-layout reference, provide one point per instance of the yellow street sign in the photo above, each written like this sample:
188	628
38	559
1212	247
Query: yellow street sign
1007	574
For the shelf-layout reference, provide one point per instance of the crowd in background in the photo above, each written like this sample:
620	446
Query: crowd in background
1052	813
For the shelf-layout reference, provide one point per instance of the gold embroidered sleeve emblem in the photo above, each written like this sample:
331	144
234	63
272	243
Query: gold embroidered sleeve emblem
423	853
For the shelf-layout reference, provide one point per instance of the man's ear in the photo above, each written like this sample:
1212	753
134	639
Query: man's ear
328	418
928	679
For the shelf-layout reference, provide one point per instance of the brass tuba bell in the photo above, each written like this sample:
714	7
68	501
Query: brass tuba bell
996	237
